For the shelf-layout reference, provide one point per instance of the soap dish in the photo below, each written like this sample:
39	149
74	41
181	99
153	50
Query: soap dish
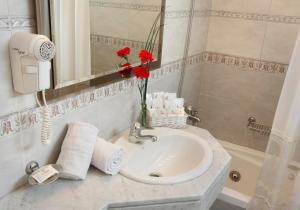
33	169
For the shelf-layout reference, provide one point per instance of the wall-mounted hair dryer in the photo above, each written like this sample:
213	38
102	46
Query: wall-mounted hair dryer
30	56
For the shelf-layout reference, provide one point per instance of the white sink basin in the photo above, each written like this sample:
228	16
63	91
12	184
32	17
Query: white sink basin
176	157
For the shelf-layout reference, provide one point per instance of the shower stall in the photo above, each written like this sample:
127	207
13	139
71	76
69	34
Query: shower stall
238	54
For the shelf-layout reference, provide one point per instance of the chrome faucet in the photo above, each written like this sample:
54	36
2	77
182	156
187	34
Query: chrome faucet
192	115
135	134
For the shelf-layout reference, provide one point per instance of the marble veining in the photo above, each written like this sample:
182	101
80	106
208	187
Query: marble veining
102	192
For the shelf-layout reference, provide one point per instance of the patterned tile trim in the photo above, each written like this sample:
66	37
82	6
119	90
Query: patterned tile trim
201	13
140	7
26	119
241	62
256	16
177	14
118	42
17	122
12	22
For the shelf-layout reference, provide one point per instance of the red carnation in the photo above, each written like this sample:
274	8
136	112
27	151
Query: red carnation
123	52
126	70
141	72
146	56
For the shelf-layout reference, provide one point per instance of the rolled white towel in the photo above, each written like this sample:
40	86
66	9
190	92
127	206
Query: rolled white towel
107	157
77	150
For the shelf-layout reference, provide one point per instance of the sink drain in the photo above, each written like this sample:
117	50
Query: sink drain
235	176
155	175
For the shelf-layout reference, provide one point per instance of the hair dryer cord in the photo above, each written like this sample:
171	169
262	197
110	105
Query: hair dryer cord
46	124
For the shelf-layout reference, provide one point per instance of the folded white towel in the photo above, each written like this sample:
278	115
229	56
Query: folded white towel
77	150
179	102
157	103
170	96
158	95
107	157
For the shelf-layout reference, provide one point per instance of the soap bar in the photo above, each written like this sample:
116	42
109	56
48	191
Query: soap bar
44	173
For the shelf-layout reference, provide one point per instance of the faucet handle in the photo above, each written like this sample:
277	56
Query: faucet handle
137	126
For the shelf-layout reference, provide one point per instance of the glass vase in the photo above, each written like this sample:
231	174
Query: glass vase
143	115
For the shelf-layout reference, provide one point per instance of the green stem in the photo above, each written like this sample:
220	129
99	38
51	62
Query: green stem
145	90
155	38
151	30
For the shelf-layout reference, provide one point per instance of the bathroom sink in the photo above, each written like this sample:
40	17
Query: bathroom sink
176	157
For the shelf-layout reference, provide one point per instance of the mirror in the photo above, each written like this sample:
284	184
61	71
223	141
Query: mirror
87	34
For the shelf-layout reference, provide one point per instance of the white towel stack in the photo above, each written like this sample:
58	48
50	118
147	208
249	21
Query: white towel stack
162	104
107	157
77	150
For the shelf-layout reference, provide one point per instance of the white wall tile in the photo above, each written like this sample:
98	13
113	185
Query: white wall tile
285	7
236	37
172	5
4	7
192	85
252	6
11	164
202	5
174	40
279	42
21	8
8	98
198	37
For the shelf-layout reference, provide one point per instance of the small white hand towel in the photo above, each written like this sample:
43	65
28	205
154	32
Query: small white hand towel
170	96
157	103
107	157
77	150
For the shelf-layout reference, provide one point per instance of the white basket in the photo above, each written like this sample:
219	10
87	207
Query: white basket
168	121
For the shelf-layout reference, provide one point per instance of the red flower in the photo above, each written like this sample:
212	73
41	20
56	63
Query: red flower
126	70
145	56
123	52
141	72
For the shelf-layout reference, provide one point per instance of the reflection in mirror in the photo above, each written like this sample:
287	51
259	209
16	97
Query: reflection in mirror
87	34
70	33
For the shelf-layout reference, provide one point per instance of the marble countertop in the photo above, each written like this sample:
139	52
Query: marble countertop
100	191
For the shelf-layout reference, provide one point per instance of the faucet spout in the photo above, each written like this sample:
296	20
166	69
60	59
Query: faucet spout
135	134
194	118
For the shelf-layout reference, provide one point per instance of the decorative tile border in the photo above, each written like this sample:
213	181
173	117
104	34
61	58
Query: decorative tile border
118	42
12	22
201	13
241	62
177	14
141	7
26	119
256	16
194	59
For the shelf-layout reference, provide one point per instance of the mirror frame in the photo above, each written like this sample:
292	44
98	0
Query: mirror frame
43	20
